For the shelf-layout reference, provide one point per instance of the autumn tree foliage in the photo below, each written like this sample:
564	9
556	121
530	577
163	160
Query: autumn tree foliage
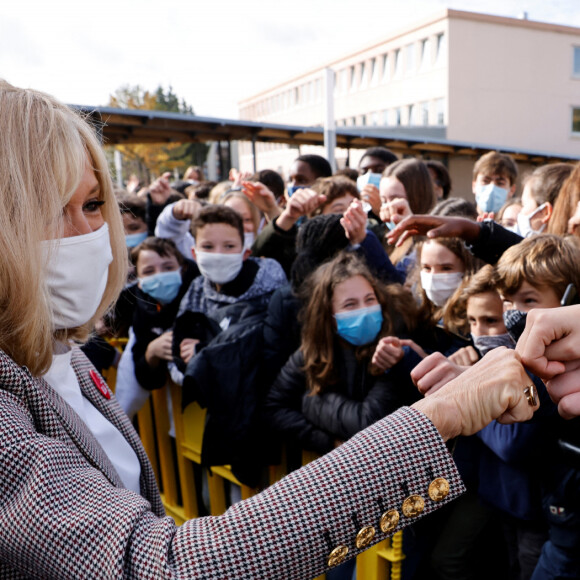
149	160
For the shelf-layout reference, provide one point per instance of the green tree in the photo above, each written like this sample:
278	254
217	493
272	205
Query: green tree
150	160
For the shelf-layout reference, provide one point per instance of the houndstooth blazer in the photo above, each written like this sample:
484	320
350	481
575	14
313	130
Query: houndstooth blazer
64	513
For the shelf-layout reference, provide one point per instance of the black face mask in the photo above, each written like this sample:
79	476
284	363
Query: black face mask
515	322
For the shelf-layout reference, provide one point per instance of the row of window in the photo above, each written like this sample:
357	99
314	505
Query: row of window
395	64
426	113
392	65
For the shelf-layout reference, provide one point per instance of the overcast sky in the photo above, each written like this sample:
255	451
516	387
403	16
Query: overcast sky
212	52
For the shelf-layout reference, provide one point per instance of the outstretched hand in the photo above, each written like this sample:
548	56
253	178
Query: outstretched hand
434	226
494	388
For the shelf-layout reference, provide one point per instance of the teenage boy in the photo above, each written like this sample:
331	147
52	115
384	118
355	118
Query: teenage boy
228	275
494	181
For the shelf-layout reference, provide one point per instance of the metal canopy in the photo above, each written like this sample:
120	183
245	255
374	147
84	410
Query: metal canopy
125	126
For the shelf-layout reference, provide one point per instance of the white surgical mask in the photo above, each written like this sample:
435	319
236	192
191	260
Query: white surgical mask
524	227
76	275
219	268
249	238
439	287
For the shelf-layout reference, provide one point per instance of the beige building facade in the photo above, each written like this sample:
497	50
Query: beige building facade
460	76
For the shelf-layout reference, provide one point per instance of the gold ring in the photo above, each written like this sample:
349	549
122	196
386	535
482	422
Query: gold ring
530	392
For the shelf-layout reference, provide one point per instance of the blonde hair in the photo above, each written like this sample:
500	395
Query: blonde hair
545	260
44	147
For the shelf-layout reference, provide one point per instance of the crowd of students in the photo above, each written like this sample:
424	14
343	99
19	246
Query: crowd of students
291	314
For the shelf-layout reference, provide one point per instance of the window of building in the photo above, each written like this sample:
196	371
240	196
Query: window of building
353	121
441	49
363	75
411	115
440	111
410	58
352	78
296	95
318	89
576	69
363	120
424	113
386	117
398	116
425	54
374	72
576	120
343	80
386	68
375	119
398	66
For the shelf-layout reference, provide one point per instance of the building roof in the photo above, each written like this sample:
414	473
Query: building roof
126	126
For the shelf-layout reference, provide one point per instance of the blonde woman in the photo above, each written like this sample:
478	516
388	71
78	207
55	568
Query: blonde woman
77	495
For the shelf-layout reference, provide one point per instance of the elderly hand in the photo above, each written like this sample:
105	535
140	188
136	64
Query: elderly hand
550	348
494	388
434	226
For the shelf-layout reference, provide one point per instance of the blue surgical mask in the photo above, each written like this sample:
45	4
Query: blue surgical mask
164	286
292	189
359	326
133	240
490	197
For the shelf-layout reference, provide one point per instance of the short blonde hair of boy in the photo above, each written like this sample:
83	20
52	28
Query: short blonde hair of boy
542	260
44	148
496	163
455	311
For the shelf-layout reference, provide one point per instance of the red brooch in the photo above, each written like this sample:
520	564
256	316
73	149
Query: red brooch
100	384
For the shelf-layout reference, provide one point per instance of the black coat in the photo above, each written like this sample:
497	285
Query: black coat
356	401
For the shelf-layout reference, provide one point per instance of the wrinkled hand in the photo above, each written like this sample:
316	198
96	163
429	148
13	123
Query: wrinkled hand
303	202
550	348
491	389
434	226
354	222
465	356
370	194
186	209
390	351
395	210
187	349
159	349
262	198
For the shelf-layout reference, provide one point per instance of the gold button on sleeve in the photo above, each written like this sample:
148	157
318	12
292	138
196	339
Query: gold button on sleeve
413	506
438	489
337	556
389	521
365	537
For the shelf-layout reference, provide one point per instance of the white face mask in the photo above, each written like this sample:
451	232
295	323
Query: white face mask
249	238
76	275
439	287
524	226
219	268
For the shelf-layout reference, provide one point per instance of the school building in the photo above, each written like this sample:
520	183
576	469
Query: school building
458	77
